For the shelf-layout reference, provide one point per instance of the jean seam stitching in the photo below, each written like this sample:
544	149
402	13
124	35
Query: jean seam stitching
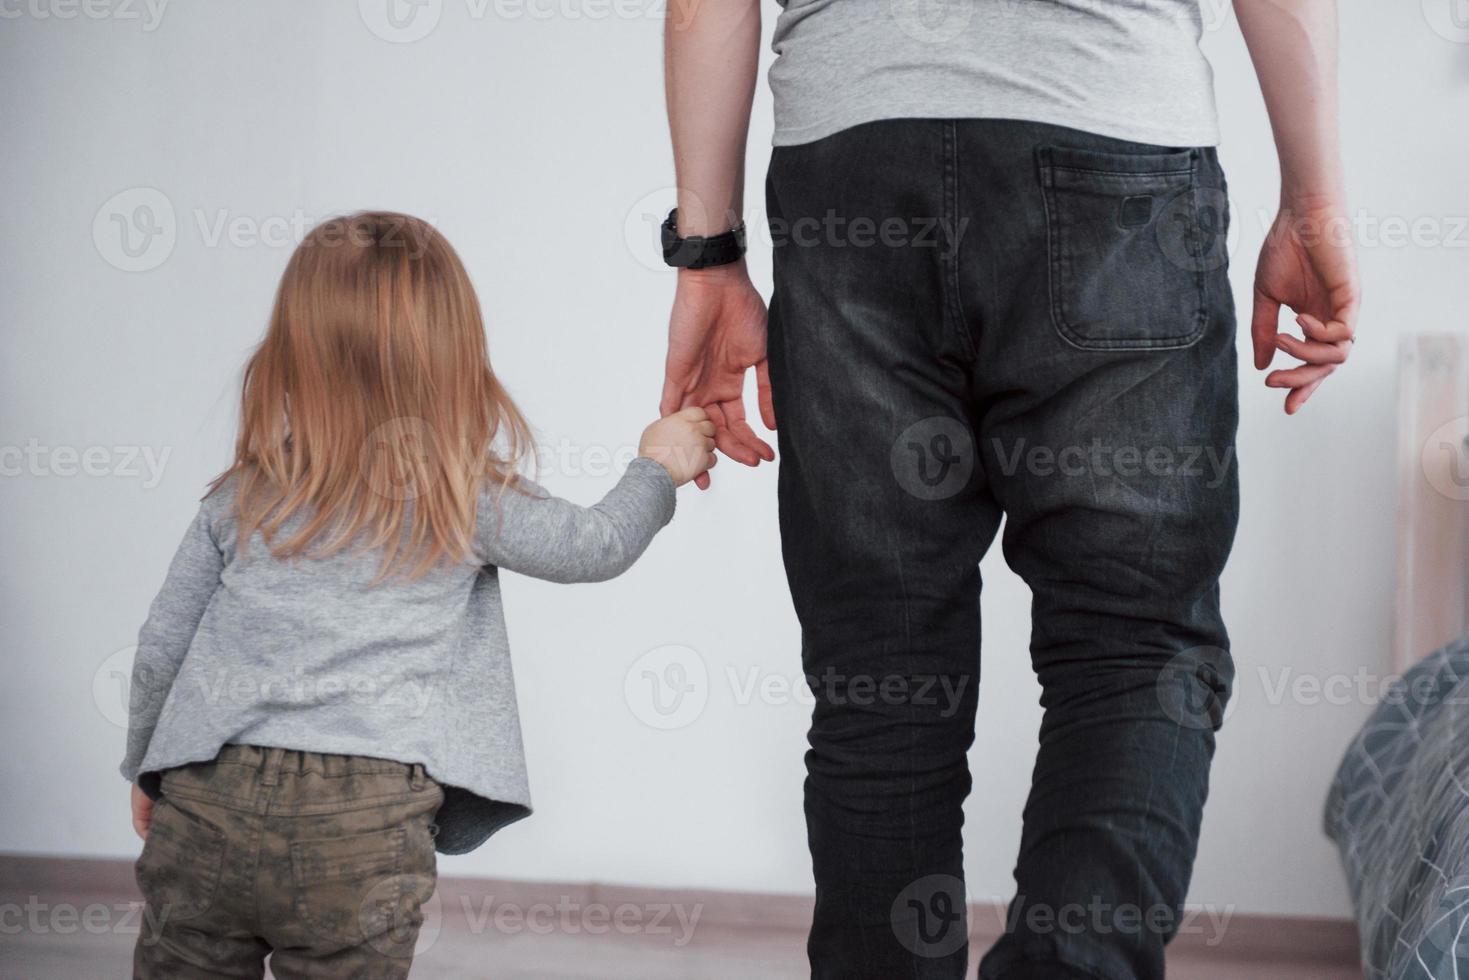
954	306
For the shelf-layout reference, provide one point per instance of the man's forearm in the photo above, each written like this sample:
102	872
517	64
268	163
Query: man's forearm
1294	47
711	55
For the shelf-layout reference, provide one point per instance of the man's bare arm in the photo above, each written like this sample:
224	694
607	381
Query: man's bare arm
716	331
711	52
1293	44
1307	262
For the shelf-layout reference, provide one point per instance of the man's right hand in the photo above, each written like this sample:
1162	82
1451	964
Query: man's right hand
716	333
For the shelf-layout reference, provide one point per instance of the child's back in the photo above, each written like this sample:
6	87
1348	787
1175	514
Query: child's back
325	676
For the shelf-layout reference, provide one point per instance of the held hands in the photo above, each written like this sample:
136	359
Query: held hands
716	333
683	443
142	812
1307	264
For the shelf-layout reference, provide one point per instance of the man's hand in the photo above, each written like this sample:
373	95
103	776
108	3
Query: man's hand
716	333
1307	264
142	812
717	330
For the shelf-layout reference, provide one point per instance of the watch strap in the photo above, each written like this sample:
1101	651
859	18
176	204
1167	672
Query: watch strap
699	251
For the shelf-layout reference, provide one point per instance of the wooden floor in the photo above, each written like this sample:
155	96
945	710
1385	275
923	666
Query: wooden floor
76	920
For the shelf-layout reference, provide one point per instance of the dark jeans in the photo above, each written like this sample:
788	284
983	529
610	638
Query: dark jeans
981	318
319	861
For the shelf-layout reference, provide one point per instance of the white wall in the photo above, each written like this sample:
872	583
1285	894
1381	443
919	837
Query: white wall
513	130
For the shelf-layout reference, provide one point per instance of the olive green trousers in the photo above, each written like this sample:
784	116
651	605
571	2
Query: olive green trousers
321	862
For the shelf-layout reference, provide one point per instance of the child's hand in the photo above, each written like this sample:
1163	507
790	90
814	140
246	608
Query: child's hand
142	812
683	442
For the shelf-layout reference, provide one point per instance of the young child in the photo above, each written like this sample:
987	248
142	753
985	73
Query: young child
322	694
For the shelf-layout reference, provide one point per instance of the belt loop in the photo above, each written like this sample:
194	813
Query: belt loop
270	772
415	777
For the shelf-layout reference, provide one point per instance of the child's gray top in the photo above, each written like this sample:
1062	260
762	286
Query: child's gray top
307	654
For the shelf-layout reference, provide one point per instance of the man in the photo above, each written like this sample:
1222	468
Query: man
1000	289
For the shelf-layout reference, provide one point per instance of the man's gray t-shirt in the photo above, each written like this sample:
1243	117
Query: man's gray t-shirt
1130	69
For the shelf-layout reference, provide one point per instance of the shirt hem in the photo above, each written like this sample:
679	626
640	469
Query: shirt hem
1099	125
496	806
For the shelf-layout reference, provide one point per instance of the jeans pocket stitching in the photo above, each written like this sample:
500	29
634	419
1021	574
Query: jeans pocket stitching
371	876
1058	273
213	865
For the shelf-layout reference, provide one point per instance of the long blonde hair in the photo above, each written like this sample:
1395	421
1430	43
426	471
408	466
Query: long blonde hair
371	405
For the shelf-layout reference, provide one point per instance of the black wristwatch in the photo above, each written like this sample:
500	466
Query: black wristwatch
698	252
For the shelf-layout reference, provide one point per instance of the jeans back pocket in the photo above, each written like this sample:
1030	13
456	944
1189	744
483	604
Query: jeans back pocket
178	871
348	888
1123	235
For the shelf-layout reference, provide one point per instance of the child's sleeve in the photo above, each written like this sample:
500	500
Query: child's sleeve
549	538
191	582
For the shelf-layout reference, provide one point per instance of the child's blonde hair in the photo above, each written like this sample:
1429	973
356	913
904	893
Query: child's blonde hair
371	404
